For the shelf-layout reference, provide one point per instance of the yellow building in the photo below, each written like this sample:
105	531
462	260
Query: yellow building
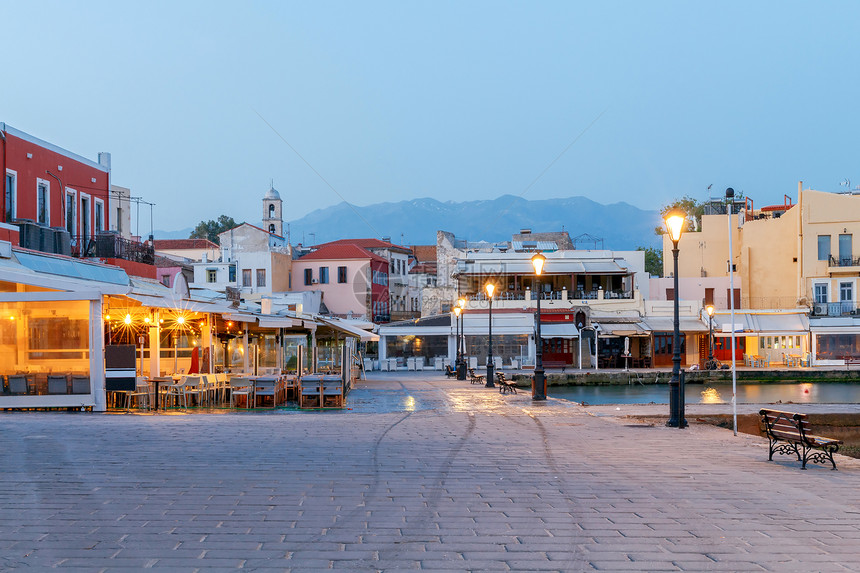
786	258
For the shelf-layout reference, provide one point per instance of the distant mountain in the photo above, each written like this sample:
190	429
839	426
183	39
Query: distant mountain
620	225
180	234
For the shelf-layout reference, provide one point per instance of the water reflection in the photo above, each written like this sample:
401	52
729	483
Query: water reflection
715	393
711	396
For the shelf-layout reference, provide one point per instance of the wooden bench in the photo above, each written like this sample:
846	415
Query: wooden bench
505	385
790	433
849	361
554	364
475	378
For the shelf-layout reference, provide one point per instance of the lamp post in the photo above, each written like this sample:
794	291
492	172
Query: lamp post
710	310
490	367
461	369
456	310
539	380
675	225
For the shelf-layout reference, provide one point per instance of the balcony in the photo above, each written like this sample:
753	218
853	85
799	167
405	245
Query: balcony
554	299
844	308
112	246
844	264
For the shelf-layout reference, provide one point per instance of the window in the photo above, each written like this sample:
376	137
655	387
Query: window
341	275
324	275
10	196
85	216
272	229
845	254
165	280
43	203
309	276
211	276
271	211
261	277
100	217
246	277
290	280
709	296
231	273
823	247
736	300
846	291
821	293
71	221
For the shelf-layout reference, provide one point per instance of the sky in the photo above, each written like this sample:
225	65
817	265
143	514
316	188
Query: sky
202	104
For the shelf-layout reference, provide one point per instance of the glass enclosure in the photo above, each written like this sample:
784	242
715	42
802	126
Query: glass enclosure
44	347
837	346
506	346
408	346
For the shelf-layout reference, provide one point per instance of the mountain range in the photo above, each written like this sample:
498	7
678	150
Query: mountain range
618	226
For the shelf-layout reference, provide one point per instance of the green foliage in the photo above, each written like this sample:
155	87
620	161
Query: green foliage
211	229
690	207
653	260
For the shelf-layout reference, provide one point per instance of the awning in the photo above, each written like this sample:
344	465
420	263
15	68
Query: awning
279	322
562	330
623	328
762	324
172	304
239	317
363	335
667	324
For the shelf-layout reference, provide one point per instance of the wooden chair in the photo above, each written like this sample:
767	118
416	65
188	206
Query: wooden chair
240	387
310	391
266	388
58	384
18	384
332	392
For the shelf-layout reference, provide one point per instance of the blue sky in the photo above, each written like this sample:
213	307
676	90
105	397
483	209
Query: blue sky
451	100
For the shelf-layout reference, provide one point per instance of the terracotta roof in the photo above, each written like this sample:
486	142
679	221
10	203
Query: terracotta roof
341	251
424	253
366	244
425	268
178	244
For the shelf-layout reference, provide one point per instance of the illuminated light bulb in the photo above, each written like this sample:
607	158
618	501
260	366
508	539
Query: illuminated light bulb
180	320
127	319
146	320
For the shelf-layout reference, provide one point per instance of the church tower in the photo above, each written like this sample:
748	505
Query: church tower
273	220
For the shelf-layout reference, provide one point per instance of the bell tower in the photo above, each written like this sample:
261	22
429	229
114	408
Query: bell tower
273	220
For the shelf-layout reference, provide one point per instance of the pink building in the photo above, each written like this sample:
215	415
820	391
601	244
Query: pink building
353	281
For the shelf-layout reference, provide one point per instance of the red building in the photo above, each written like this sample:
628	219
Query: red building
56	201
52	188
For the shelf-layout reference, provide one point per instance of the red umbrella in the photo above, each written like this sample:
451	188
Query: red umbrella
195	361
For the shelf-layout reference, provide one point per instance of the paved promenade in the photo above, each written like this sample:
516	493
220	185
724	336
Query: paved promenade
423	473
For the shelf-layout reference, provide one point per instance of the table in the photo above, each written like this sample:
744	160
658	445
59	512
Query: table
157	382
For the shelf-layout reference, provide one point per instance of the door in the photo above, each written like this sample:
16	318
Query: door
663	349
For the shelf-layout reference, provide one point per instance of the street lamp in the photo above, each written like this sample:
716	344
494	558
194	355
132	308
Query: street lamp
461	369
710	310
539	380
490	374
457	310
675	226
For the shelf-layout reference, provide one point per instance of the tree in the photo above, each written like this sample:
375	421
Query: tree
690	207
211	229
653	260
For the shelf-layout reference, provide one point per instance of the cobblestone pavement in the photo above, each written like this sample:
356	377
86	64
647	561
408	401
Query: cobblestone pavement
423	473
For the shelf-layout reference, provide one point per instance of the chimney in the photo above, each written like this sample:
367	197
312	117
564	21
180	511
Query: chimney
386	239
525	231
104	159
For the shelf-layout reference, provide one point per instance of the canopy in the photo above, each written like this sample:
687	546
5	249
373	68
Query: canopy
666	324
278	322
623	328
337	324
558	330
763	324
